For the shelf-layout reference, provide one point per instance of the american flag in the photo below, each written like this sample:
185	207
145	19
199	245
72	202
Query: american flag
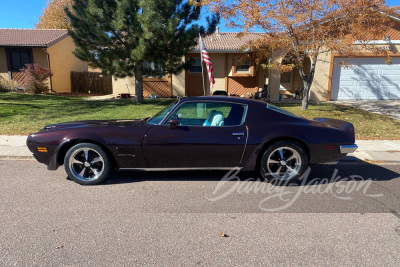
206	59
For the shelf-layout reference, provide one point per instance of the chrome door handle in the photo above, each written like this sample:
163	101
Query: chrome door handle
238	134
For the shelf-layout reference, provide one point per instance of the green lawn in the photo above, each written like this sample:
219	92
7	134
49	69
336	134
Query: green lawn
22	114
368	126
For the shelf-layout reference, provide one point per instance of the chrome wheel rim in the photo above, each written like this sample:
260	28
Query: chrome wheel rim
283	163
86	164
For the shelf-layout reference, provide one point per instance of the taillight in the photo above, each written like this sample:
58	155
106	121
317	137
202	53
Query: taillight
329	148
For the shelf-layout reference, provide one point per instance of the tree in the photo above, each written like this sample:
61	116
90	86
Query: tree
54	16
119	36
300	29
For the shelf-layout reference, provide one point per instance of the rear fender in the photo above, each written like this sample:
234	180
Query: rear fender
253	161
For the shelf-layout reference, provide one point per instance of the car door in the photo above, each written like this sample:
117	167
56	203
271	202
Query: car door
198	141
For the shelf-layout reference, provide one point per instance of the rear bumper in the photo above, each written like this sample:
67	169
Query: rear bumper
345	149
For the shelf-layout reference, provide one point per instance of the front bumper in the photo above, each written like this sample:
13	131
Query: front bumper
345	149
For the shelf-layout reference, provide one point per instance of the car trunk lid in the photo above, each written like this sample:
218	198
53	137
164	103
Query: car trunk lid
339	124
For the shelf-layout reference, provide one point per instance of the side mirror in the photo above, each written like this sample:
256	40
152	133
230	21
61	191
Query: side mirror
173	123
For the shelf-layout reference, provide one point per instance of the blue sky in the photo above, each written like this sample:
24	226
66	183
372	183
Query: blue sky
25	13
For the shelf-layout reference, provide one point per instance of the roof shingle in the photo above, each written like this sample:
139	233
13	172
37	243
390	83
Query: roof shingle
228	41
31	37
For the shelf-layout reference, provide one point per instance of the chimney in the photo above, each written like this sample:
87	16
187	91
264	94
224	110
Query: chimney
217	30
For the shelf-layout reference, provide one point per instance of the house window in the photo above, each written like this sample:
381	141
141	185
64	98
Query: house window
285	77
153	69
196	67
242	65
19	58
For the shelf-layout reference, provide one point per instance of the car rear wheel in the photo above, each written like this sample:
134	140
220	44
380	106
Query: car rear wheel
87	164
284	161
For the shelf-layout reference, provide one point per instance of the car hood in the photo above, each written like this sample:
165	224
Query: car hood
95	123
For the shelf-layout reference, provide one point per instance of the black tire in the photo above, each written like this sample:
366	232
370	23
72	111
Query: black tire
283	162
87	164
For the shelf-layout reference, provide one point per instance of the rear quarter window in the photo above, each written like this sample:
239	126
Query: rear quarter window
282	111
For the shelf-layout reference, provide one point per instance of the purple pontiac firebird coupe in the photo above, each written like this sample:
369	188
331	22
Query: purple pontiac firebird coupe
195	133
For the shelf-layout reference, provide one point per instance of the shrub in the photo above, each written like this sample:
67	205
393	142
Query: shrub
7	85
36	77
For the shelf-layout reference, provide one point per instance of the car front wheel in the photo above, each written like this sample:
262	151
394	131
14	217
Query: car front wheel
283	162
87	164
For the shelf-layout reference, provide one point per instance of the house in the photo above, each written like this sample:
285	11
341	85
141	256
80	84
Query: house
233	71
368	76
49	48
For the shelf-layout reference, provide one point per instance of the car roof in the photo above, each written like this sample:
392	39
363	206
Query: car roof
231	99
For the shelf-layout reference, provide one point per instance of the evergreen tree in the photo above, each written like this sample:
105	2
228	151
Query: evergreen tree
118	36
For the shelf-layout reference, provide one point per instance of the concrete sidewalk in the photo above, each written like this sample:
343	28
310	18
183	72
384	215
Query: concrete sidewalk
14	146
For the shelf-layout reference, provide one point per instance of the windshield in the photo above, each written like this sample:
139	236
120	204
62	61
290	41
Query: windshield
156	119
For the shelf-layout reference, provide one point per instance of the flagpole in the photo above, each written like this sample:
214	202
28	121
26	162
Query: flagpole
202	70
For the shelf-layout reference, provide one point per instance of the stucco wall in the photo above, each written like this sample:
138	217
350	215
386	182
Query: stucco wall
178	84
230	63
218	60
63	61
275	79
40	57
3	64
123	85
320	84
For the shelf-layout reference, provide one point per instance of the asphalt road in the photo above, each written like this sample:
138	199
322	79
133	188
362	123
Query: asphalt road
174	218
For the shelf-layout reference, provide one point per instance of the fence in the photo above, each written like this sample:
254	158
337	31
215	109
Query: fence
93	82
19	77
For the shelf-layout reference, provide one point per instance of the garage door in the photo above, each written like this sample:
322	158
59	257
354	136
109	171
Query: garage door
366	78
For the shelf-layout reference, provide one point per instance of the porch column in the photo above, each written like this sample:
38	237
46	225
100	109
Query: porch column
275	81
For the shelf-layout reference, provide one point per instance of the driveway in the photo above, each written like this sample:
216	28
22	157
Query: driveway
385	107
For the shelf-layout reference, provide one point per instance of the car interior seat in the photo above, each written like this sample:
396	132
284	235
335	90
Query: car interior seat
215	118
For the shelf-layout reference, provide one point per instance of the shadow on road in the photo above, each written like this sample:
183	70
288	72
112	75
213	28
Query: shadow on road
319	174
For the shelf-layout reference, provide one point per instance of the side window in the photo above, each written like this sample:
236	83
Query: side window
210	114
196	67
